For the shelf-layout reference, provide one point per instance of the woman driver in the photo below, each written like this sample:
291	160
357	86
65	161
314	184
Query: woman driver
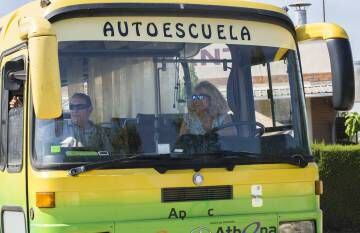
207	110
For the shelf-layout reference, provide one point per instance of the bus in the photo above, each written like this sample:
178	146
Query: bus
159	116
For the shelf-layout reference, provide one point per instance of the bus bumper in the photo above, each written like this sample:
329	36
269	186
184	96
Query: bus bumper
216	224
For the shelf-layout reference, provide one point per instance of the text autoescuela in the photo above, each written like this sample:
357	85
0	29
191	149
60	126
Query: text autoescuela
176	30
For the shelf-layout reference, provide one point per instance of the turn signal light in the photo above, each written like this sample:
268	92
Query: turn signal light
319	187
45	200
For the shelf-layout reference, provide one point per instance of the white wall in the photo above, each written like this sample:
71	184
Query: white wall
357	87
314	57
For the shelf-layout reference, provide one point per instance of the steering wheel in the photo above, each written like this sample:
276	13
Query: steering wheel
260	128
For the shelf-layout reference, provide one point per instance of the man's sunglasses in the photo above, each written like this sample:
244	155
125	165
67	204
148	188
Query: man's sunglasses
78	106
199	97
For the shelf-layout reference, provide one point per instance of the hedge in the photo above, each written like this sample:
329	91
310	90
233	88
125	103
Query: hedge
339	168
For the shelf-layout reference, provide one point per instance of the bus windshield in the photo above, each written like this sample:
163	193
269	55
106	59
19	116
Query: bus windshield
156	98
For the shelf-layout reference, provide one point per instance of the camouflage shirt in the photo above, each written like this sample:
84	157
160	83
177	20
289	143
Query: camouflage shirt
92	136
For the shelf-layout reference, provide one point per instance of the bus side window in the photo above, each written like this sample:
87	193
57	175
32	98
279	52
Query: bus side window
12	115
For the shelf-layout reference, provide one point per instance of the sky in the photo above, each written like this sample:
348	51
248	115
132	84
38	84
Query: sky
345	13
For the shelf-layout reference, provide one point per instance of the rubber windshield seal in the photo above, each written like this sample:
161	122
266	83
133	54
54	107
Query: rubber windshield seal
166	9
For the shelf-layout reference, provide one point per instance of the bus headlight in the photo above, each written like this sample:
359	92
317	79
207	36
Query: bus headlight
297	227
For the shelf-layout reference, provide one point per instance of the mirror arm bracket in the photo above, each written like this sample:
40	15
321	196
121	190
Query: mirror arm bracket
322	31
30	27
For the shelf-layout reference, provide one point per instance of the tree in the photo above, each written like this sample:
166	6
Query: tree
352	123
193	76
194	80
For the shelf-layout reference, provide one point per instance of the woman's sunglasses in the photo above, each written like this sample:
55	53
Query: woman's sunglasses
199	97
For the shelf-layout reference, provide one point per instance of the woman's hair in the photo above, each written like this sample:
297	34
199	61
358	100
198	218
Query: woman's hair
218	105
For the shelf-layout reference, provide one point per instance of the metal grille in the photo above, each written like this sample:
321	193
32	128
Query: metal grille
224	192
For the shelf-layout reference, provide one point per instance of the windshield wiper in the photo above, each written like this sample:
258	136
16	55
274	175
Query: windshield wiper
297	160
233	158
227	159
102	164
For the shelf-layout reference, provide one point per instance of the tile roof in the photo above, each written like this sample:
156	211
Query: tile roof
312	89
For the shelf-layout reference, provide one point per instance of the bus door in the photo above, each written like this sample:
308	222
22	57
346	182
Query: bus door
13	194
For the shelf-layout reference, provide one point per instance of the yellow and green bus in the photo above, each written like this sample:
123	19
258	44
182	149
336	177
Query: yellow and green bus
159	116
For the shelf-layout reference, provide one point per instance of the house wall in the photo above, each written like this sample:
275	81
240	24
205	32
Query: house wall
316	69
323	118
357	87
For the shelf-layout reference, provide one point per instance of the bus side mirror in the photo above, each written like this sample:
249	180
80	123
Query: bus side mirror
14	75
342	66
45	77
43	66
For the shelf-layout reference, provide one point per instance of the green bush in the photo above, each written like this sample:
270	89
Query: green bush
340	171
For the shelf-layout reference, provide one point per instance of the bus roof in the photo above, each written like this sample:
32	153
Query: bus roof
8	23
57	4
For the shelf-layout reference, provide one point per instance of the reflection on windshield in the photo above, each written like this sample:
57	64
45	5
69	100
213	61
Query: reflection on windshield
172	100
